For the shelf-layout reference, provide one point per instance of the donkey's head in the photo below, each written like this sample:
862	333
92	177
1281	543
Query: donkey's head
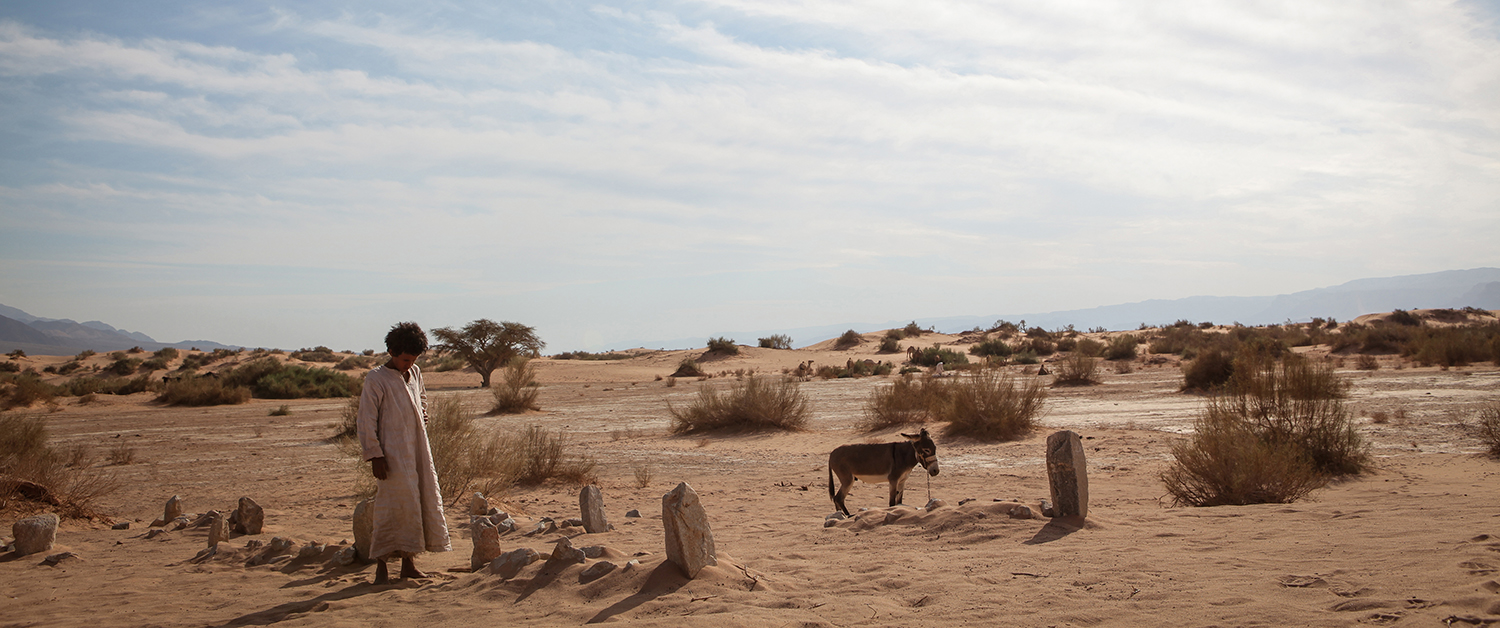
926	450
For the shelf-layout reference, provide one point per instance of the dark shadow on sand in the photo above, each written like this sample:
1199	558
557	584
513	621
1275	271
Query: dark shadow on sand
664	580
1055	529
283	612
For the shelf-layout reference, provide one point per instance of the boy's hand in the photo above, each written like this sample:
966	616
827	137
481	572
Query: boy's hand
380	468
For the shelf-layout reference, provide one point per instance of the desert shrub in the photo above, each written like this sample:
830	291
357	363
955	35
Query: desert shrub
1488	428
121	453
1089	347
543	456
1225	463
1078	370
1366	363
1005	328
753	404
26	389
16	354
316	354
991	347
282	410
723	346
9	367
155	364
1025	357
123	366
85	354
348	425
911	330
1067	343
776	341
69	367
890	345
166	353
356	363
297	382
1403	317
847	340
688	367
1121	347
1452	346
109	385
1037	345
468	458
992	407
35	474
934	354
1207	372
203	391
907	401
517	390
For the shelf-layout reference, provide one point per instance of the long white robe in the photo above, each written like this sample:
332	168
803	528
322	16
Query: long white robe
408	503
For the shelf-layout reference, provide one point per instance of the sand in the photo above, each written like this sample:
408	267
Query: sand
1417	542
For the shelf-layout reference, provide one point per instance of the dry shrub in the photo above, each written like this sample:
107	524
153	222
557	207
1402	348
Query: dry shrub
27	389
203	391
1208	372
1366	363
1276	425
847	340
517	391
121	453
1121	347
907	401
723	346
644	471
990	406
34	475
1488	428
469	458
757	403
688	367
282	410
1380	417
348	419
1078	370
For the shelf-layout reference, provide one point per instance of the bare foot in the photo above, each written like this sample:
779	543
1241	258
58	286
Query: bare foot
409	569
381	575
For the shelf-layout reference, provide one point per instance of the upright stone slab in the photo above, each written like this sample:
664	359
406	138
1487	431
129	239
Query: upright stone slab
1067	475
591	502
249	517
478	505
170	512
486	544
364	527
34	534
218	530
690	542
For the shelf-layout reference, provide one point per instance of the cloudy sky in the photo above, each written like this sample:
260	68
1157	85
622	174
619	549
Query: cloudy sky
299	173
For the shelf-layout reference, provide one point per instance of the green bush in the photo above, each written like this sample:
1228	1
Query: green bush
166	353
753	404
297	382
776	341
1121	347
991	347
123	366
911	330
992	407
934	354
847	340
109	385
316	354
356	363
1037	346
1207	372
1089	347
723	346
1025	357
890	345
202	391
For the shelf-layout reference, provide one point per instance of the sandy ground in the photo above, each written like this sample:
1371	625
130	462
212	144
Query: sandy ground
1416	543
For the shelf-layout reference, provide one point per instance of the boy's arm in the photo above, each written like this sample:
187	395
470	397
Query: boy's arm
368	422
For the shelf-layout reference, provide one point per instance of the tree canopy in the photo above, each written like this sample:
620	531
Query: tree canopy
487	345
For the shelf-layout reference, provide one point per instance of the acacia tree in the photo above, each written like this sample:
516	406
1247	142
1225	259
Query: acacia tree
487	345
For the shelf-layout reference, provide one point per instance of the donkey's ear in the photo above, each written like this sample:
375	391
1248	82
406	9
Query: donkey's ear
912	436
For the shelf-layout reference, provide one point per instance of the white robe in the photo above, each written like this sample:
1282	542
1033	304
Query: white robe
408	503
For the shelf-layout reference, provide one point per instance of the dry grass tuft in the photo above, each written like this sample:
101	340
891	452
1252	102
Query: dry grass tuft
34	475
644	472
1078	370
756	403
468	458
1488	428
517	390
992	407
907	401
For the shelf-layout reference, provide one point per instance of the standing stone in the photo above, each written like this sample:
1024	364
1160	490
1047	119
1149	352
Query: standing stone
218	530
486	544
364	527
690	543
591	502
511	563
478	505
170	513
1067	474
34	534
250	517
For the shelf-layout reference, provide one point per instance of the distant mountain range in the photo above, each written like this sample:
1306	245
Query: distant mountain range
60	336
1478	287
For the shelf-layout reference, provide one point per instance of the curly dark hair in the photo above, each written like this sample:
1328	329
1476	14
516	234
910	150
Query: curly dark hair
406	338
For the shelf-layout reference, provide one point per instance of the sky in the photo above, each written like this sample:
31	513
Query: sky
291	174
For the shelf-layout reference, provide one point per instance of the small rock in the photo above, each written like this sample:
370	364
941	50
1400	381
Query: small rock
829	523
478	505
564	553
934	504
123	525
511	563
1047	510
53	560
571	522
596	571
545	526
251	517
34	534
364	527
312	550
170	512
155	533
253	544
633	564
633	514
1020	512
280	545
496	511
506	525
592	551
486	544
346	556
218	530
181	523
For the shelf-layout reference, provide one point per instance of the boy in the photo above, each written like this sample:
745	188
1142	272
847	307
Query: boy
392	431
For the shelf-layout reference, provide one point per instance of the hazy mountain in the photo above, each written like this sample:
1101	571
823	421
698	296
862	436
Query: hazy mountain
1478	287
61	336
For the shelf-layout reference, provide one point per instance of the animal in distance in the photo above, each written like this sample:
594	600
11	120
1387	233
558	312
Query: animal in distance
880	462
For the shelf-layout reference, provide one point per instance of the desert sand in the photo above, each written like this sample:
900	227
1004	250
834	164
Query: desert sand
1415	543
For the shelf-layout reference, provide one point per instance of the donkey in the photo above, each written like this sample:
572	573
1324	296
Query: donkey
883	462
